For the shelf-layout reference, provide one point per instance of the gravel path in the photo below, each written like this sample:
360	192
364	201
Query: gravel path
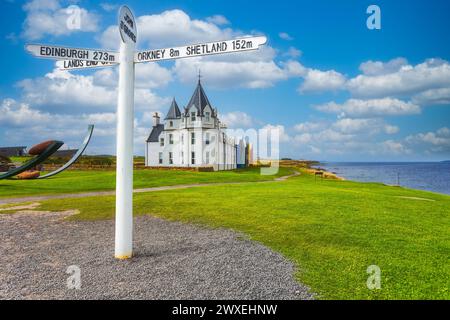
172	261
113	192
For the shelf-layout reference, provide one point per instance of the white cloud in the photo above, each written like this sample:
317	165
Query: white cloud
218	20
304	138
16	114
285	36
47	17
256	69
221	74
430	97
318	80
108	7
440	138
392	147
356	108
343	137
390	129
148	76
367	126
280	130
25	125
64	88
294	68
167	29
152	75
376	68
293	53
92	92
407	80
310	126
236	119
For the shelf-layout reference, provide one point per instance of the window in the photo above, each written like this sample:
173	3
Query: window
207	157
182	157
160	158
193	157
207	116
170	138
182	138
192	138
170	158
171	123
161	142
193	116
207	138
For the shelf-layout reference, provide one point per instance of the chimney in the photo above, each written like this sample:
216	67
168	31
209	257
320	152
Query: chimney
155	119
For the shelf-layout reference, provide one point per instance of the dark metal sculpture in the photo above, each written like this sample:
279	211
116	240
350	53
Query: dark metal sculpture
51	149
76	155
48	152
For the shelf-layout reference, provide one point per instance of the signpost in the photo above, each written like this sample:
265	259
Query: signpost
77	58
125	118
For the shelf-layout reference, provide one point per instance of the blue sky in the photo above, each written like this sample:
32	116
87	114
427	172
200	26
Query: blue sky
335	89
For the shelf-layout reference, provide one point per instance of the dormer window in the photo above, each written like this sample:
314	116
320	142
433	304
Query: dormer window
171	124
193	116
207	116
161	142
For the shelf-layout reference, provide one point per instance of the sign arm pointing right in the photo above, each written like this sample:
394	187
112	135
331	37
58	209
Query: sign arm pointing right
202	49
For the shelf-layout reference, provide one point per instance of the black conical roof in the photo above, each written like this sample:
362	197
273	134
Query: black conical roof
199	99
174	111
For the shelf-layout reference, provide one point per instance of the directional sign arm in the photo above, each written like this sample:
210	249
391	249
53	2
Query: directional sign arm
82	64
66	53
203	49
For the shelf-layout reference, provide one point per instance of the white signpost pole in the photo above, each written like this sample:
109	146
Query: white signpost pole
125	119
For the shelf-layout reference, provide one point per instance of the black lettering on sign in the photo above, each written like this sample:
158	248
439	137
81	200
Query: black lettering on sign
152	55
64	52
129	21
127	31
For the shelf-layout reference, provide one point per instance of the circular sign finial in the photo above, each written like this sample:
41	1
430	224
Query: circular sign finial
127	25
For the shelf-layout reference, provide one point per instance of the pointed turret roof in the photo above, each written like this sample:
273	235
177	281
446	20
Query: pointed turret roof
174	111
199	99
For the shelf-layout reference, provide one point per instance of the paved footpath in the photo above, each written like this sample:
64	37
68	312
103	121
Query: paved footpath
113	192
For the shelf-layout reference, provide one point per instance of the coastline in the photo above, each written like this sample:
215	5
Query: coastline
423	176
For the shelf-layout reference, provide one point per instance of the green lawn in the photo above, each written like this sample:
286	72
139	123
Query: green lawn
85	181
332	230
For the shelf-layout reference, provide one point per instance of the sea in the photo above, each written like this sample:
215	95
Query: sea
429	176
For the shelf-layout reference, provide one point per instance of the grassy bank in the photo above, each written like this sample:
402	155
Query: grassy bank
86	181
332	230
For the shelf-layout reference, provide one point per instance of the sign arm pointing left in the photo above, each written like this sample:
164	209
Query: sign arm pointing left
65	53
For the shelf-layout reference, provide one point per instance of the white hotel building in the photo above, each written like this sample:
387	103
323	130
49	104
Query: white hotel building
192	138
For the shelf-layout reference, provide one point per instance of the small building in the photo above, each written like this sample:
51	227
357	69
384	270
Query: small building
69	153
13	151
194	137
